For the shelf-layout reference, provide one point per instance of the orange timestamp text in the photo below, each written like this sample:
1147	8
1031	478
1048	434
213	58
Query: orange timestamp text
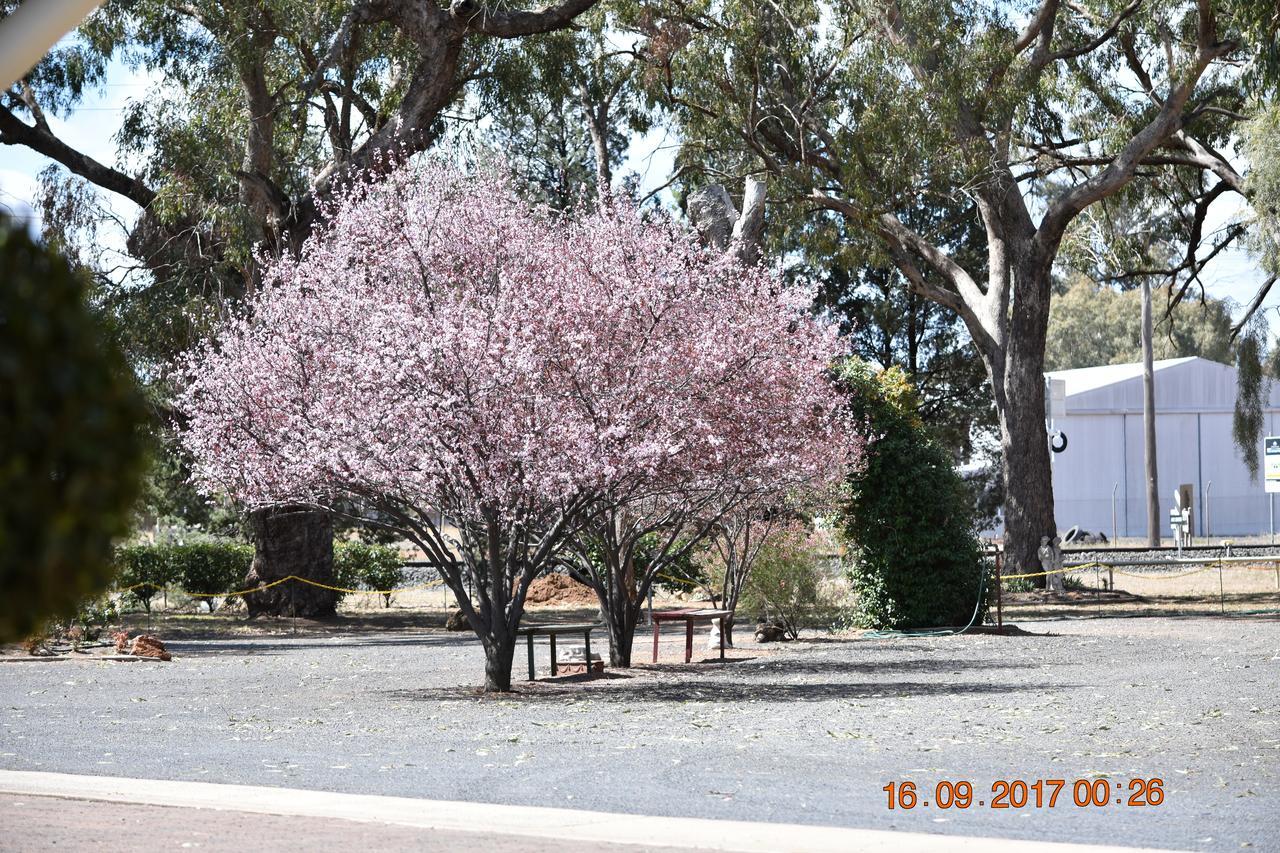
1023	794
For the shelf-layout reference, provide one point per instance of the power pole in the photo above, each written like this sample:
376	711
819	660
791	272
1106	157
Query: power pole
1149	420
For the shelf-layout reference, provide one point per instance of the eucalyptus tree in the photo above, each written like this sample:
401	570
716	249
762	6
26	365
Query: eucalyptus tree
1024	115
260	110
563	110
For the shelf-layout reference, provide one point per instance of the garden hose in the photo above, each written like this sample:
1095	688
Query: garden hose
938	632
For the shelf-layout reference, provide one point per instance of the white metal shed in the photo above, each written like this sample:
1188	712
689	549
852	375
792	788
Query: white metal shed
1195	399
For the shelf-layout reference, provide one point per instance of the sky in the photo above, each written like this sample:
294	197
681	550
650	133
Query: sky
91	129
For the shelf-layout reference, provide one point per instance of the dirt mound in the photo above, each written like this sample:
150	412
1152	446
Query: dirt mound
559	589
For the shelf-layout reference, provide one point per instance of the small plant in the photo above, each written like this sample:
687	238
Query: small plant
1019	585
1075	583
142	571
358	565
93	616
784	582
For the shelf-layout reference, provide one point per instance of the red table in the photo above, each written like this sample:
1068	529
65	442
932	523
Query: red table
689	617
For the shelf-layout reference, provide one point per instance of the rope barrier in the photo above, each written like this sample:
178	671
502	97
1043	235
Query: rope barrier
262	588
1208	566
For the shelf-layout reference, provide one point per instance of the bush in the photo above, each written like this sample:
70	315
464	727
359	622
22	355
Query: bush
357	565
908	518
148	569
71	444
211	568
92	616
784	581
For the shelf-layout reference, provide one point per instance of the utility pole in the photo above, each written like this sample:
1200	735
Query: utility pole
1149	419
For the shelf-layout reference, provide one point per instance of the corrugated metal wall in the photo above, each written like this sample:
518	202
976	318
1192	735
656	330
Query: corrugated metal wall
1194	445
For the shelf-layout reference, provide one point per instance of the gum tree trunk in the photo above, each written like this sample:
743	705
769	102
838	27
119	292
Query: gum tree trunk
1016	370
291	541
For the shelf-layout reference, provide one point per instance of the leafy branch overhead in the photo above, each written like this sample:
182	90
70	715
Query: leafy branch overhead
1017	117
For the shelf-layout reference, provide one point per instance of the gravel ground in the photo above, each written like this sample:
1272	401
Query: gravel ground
810	733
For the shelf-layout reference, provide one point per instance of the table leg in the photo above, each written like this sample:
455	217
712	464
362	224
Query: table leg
655	641
553	655
688	640
586	640
721	638
532	676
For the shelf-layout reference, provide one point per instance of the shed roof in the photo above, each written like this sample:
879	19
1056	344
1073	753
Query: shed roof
1191	384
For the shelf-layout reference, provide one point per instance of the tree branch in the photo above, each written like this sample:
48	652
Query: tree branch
513	24
13	131
1121	169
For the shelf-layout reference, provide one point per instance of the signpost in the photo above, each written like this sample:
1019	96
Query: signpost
1271	476
1271	462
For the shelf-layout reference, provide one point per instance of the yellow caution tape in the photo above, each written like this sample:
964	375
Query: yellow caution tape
160	588
1207	567
1165	577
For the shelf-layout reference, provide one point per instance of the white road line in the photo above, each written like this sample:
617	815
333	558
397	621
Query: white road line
526	821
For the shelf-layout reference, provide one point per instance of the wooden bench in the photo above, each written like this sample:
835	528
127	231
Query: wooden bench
690	618
551	630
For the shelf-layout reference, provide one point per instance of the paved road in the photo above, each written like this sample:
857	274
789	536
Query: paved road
808	735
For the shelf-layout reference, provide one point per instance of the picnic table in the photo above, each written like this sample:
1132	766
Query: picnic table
690	618
551	630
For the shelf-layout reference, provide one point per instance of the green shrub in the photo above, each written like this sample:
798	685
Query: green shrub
916	561
210	568
784	582
144	570
71	445
358	565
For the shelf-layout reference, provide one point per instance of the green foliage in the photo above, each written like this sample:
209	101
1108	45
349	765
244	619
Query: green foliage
1091	325
209	568
1252	387
681	572
916	562
72	450
1262	142
784	584
148	569
891	325
357	565
92	617
85	623
541	101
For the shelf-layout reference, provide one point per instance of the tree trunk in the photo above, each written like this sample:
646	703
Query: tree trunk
1018	382
622	634
291	541
499	652
621	615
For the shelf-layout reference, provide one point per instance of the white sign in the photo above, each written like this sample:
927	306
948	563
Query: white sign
1271	462
1055	398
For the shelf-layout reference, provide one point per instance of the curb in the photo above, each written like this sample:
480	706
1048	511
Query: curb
523	821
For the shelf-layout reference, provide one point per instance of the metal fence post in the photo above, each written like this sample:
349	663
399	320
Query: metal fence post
1222	596
1208	513
999	595
1115	530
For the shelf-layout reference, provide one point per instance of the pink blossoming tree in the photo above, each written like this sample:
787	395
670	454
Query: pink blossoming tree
440	345
726	364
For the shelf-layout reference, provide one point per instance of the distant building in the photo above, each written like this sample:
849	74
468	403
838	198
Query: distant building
1195	399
